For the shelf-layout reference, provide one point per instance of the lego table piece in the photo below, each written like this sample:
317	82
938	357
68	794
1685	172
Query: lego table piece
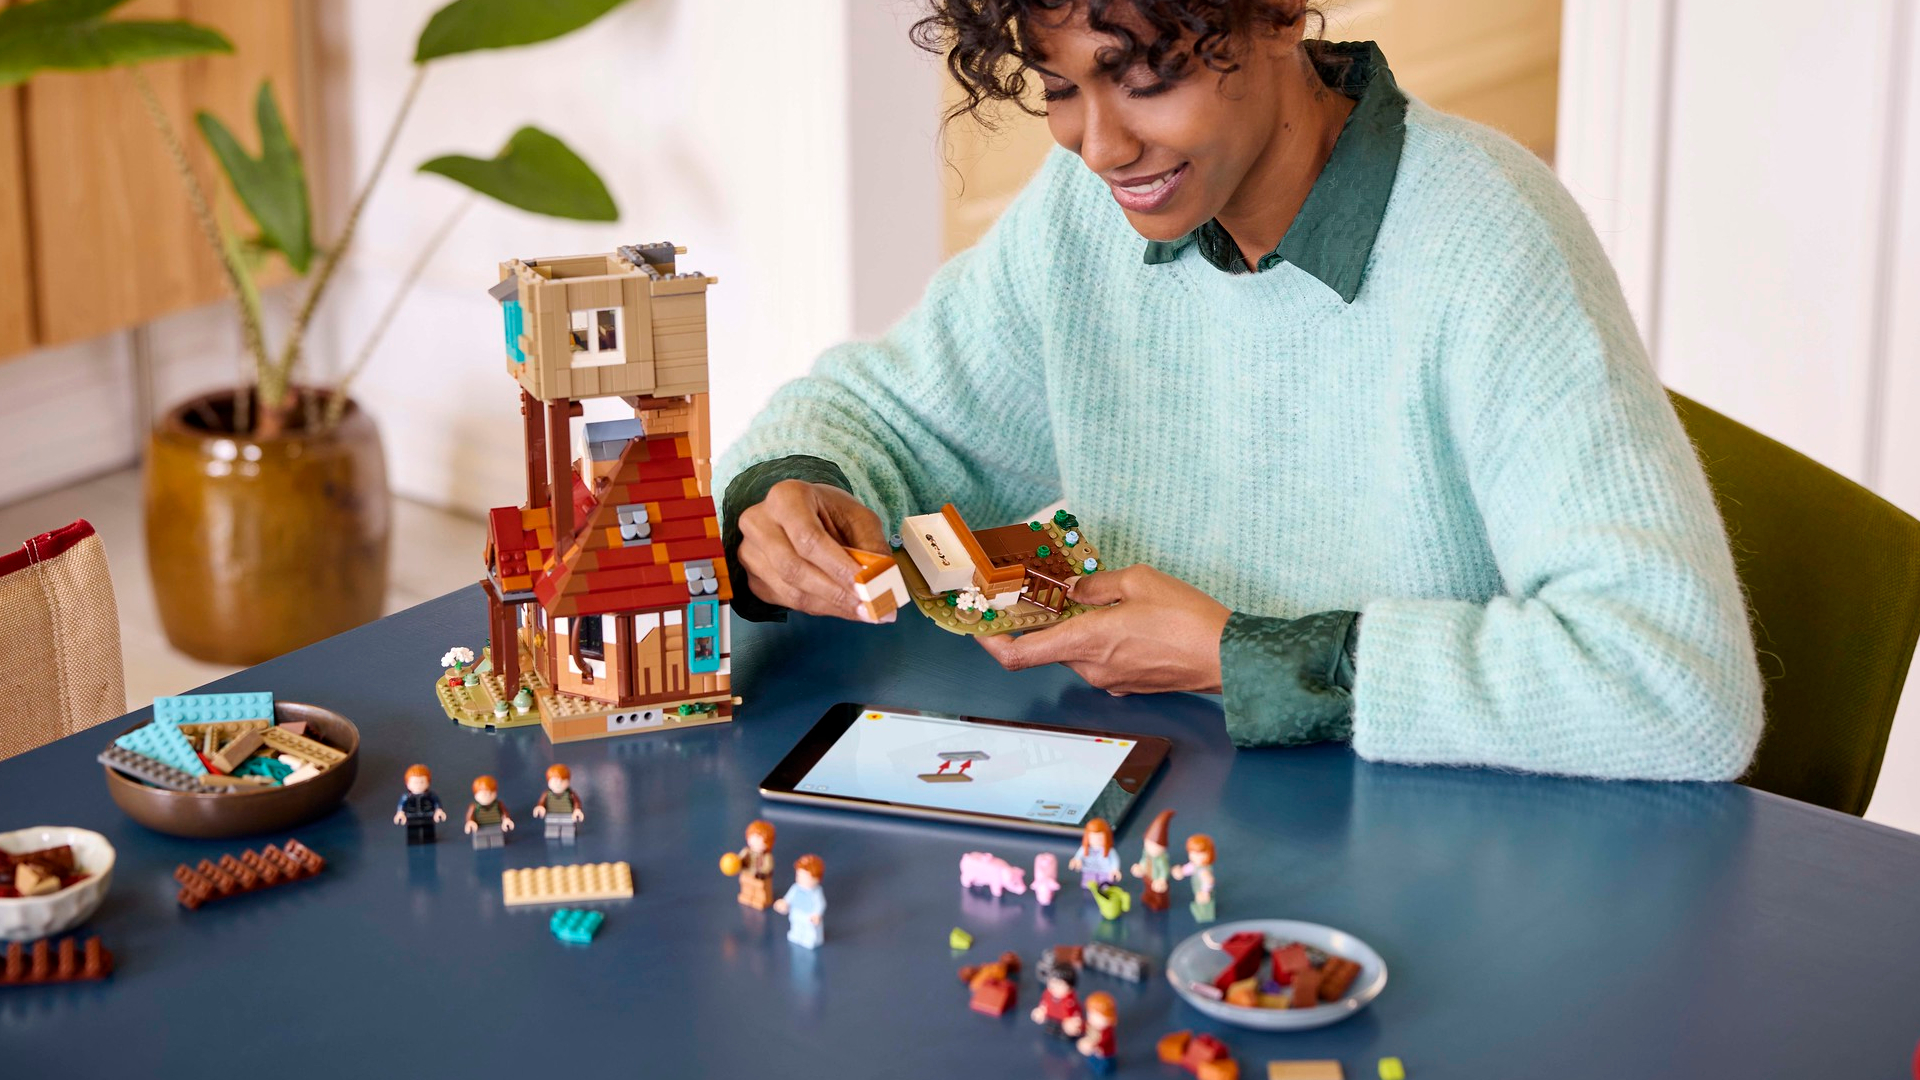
1392	1069
1154	866
575	926
1117	962
165	744
574	883
805	904
959	940
419	809
560	805
1059	1008
1099	1043
251	872
487	821
753	866
1205	1056
948	758
39	964
141	767
1046	877
981	869
317	754
184	709
878	586
1305	1070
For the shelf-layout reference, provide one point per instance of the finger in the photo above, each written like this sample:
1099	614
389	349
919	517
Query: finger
855	525
834	569
1103	587
1055	644
779	575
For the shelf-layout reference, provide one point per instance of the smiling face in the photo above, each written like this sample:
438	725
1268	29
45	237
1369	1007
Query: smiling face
1173	153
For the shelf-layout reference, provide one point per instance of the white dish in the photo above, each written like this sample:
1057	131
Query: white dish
24	918
1198	960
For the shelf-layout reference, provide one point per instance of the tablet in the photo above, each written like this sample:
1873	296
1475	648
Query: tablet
966	769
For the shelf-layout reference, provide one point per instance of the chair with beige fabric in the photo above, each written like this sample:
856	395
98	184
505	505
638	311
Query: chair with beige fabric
59	639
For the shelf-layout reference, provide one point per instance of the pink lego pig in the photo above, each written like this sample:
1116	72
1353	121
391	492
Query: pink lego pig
1046	882
981	868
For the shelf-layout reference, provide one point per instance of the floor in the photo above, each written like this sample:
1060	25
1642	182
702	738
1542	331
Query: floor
434	552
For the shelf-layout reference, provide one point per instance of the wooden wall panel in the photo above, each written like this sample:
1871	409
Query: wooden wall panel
16	286
1494	61
115	242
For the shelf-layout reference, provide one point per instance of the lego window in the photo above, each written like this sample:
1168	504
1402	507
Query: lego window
606	326
702	617
577	321
703	648
592	640
596	337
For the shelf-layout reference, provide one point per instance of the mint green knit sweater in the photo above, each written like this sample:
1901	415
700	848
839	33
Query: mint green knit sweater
1474	454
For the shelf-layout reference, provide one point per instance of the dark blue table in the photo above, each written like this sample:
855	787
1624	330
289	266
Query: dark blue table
1533	927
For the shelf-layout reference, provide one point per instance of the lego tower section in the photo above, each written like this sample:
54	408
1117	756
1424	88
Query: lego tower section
607	595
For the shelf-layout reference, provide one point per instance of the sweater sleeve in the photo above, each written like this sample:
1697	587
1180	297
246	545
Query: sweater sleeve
1620	647
950	405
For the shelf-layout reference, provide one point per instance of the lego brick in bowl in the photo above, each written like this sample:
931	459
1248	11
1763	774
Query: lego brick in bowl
249	811
1195	962
23	918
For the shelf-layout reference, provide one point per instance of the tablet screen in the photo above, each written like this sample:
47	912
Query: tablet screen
950	764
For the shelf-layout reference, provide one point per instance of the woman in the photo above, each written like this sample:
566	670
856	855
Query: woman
1348	381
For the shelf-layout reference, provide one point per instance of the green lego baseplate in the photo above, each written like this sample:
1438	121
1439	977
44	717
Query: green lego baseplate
1058	547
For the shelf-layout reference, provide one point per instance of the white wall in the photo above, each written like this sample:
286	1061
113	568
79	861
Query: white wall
747	136
1755	175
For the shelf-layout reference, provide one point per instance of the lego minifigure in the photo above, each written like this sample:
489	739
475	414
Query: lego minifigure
487	820
1098	1043
805	903
1096	860
1059	1007
560	805
754	866
1154	866
1046	877
1199	867
419	808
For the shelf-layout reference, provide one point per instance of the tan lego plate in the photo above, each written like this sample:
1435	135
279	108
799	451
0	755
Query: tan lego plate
1024	614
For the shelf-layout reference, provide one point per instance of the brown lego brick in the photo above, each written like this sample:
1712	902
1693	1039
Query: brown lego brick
40	964
1336	977
251	872
1306	989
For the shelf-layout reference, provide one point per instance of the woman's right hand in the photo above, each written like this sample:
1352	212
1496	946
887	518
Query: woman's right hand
790	547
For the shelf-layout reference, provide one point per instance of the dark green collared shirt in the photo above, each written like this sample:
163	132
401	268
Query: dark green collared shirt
1333	234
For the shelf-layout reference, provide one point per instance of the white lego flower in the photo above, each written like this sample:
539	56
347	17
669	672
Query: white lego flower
459	654
970	600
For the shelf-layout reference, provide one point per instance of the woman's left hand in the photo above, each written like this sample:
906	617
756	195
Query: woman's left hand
1152	633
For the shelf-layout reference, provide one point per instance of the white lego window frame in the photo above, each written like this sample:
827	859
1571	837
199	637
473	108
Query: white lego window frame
597	337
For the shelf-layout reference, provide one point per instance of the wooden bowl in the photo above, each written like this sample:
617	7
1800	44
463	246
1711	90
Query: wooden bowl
248	811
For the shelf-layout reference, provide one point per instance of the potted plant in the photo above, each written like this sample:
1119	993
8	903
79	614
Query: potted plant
266	506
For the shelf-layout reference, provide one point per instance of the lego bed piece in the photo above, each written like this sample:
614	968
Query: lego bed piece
1023	585
571	884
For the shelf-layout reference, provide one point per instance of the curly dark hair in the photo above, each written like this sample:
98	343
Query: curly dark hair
988	45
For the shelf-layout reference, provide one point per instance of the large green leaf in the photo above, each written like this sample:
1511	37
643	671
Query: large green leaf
273	186
75	35
469	25
534	172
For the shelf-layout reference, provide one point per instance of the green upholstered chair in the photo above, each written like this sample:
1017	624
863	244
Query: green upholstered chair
1832	575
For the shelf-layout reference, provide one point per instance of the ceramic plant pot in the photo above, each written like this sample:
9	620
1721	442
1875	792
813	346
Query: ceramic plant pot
260	546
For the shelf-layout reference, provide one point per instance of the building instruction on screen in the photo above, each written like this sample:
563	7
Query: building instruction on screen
950	764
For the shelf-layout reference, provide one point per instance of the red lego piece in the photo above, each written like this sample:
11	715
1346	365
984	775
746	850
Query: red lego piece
993	997
1290	961
1205	1056
251	871
42	965
1244	952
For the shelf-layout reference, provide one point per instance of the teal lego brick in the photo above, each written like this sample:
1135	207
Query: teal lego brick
165	744
213	708
575	926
